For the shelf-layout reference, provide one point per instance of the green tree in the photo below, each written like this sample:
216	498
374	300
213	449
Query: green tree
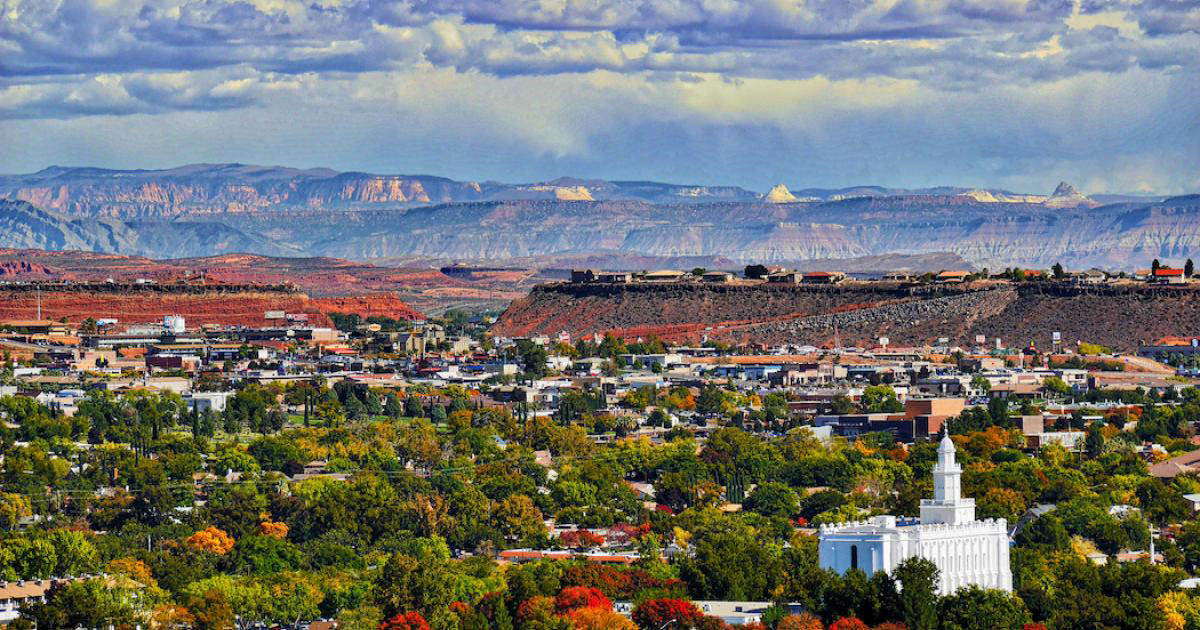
264	554
918	592
975	607
711	400
773	498
392	408
421	578
1045	533
730	561
413	407
87	603
1094	443
236	509
880	399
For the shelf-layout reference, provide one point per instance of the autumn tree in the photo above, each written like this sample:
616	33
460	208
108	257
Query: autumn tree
212	540
410	620
666	614
599	619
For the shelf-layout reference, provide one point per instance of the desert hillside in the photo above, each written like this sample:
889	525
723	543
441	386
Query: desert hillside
1117	316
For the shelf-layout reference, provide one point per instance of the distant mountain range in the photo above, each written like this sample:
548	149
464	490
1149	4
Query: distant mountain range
207	209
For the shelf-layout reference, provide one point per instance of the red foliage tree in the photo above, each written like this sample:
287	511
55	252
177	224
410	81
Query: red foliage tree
576	597
613	582
580	539
656	614
1034	626
849	623
406	621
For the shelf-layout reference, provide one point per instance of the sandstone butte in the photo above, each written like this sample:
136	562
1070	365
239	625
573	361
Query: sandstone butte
242	308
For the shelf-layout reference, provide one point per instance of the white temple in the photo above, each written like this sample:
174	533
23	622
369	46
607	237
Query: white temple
966	551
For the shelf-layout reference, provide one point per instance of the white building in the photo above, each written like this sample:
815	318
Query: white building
174	323
966	551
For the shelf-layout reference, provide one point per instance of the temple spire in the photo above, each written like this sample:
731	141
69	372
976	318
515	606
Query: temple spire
947	505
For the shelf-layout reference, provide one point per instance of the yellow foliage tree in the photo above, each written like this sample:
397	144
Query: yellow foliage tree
1180	610
596	618
134	569
13	508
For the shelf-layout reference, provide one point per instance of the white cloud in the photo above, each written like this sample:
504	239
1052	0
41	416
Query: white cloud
976	92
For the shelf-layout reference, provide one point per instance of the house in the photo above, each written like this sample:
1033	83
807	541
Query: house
579	276
1182	464
823	277
898	276
952	277
789	277
718	277
663	275
1167	275
614	277
1091	276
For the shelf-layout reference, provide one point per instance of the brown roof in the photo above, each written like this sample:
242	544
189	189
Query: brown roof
1176	465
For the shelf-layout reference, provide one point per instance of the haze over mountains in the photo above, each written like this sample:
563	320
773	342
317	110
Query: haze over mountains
204	209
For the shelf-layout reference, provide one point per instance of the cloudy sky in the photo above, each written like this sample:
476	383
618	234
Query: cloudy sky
1003	93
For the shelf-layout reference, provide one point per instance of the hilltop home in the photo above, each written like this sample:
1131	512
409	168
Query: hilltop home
719	277
824	277
1091	276
1166	275
579	276
952	277
789	277
662	275
614	277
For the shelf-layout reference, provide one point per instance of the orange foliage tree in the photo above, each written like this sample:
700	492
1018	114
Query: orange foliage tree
273	529
212	540
803	621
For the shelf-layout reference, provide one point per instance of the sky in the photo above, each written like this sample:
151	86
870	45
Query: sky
1012	94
